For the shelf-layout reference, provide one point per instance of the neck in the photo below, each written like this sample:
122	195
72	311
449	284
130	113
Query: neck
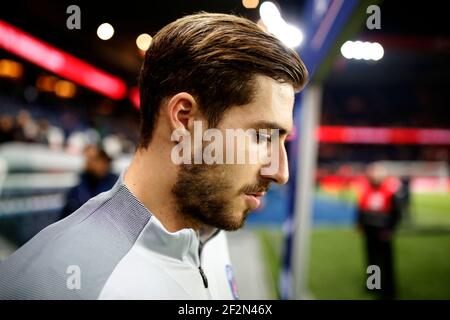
150	179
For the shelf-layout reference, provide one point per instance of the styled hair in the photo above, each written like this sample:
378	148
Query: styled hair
215	58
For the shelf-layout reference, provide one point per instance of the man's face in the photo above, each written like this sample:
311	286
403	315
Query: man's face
95	165
222	195
376	174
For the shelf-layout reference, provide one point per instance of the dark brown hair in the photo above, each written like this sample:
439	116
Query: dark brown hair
214	57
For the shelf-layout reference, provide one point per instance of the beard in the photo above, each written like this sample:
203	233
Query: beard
202	193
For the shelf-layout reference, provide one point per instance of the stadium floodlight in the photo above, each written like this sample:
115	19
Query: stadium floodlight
377	51
291	36
105	31
250	4
271	17
362	50
143	41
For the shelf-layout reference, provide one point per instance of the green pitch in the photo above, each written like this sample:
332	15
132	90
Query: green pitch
422	256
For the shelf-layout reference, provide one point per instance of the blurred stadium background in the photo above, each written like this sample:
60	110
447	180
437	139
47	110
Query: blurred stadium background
62	89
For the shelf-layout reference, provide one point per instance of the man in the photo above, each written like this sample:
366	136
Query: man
158	233
378	216
96	178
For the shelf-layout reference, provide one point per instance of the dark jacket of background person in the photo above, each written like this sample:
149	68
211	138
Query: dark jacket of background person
378	215
95	179
88	187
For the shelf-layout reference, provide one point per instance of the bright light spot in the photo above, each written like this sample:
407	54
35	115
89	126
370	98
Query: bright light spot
346	49
320	7
46	83
143	41
10	69
359	50
270	14
362	50
250	4
105	31
267	9
275	24
65	89
367	51
377	51
291	36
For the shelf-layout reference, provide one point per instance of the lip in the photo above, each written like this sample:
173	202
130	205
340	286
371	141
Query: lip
254	199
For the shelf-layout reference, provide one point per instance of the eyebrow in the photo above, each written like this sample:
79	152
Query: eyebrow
271	125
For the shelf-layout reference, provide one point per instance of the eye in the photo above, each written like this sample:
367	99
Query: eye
261	137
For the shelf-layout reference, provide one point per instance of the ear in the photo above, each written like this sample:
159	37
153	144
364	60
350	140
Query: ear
182	110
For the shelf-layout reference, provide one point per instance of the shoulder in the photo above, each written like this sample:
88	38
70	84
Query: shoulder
91	241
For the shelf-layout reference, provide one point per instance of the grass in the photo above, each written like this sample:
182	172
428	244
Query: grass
422	256
431	209
337	259
427	209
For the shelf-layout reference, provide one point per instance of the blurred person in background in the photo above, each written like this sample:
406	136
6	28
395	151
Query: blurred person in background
404	198
6	128
96	178
43	131
25	129
378	216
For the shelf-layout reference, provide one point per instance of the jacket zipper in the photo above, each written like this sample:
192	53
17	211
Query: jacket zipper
200	269
200	248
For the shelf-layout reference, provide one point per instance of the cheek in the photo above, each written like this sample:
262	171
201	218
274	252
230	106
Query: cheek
233	176
240	175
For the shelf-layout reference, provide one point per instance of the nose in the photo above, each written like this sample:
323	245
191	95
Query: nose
280	166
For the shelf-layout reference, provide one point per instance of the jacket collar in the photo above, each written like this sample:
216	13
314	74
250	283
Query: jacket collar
184	245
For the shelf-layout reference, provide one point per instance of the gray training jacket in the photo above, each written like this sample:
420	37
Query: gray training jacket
114	248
